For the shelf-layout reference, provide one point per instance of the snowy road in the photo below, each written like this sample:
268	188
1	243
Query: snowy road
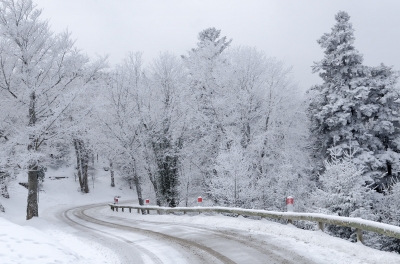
141	241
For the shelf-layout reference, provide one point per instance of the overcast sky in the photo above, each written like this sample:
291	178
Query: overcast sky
285	29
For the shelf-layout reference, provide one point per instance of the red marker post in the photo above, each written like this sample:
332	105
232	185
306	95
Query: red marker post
199	201
115	199
147	202
289	203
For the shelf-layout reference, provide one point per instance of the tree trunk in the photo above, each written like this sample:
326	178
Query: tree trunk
3	185
85	167
112	174
32	208
78	161
138	186
82	160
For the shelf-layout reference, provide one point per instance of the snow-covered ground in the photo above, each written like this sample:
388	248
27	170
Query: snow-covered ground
41	240
47	240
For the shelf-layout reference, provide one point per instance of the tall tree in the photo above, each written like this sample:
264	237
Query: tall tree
356	107
40	72
118	113
205	68
163	118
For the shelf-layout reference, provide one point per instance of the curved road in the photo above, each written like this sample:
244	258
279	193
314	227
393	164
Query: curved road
141	241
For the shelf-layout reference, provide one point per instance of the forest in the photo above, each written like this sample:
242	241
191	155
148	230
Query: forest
225	122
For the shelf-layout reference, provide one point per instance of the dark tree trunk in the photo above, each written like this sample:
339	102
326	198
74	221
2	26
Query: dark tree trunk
3	185
112	174
32	208
167	176
389	168
138	186
32	205
82	160
78	161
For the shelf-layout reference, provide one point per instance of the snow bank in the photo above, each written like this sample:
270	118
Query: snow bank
20	244
45	239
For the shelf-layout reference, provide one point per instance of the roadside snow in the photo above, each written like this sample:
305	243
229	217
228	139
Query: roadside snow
45	239
28	245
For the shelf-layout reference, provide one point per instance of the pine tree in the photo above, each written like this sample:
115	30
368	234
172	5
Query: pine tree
356	105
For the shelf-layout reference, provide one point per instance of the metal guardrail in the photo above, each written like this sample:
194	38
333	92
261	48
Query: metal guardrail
357	223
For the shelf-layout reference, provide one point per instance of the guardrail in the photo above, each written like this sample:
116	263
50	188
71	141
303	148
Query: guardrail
321	219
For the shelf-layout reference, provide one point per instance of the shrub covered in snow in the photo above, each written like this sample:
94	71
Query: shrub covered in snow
343	191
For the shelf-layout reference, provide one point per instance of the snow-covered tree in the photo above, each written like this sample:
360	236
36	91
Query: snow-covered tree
164	120
356	106
342	191
120	123
205	66
249	131
41	74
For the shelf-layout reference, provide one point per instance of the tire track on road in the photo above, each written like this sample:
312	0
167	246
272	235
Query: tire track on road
190	245
146	252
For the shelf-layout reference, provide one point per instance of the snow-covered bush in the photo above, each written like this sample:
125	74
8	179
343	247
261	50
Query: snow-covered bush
343	191
388	209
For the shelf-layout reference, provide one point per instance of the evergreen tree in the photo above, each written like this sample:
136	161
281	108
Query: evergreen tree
356	105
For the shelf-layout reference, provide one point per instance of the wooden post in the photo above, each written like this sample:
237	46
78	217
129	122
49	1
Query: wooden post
158	211
130	210
112	208
290	221
359	235
122	209
116	208
138	211
148	211
321	226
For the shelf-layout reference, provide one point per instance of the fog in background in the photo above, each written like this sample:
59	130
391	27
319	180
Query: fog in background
287	30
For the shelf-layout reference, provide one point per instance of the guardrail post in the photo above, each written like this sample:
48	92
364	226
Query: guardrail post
122	209
289	206
130	210
148	211
359	235
158	211
138	211
116	208
321	226
289	203
112	207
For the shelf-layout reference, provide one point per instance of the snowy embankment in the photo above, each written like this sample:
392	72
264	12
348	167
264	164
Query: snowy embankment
24	244
48	240
45	239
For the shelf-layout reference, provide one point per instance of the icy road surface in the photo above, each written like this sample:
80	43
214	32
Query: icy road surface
138	241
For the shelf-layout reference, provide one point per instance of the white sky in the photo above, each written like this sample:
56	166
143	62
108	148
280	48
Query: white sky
285	29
